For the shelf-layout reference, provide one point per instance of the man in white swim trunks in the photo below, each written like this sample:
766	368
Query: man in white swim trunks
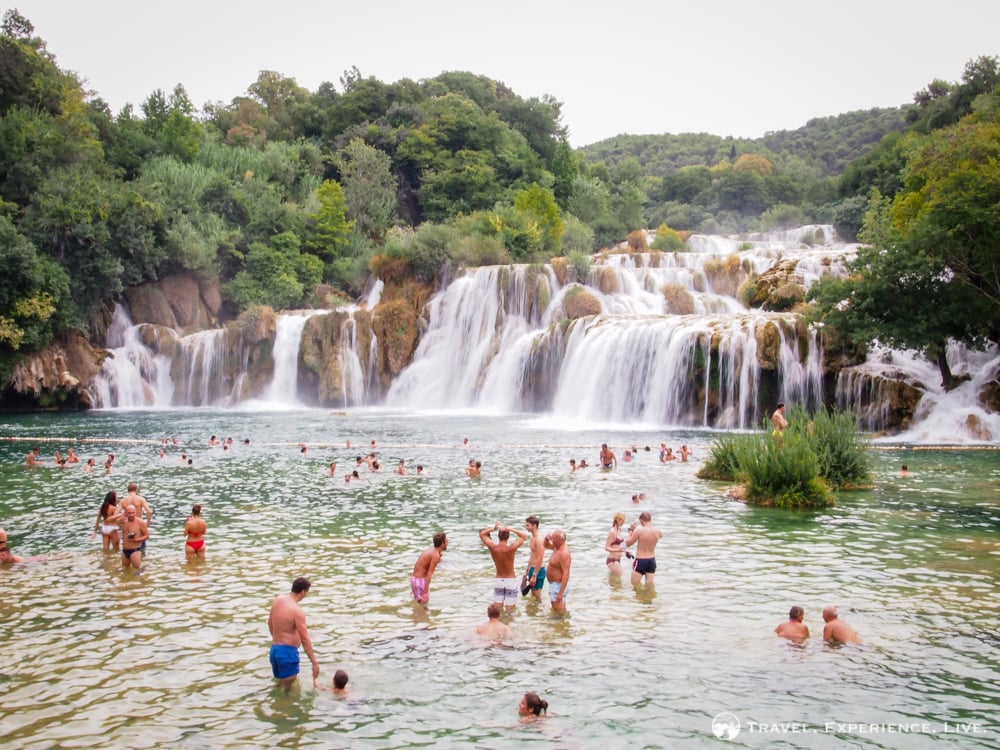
506	586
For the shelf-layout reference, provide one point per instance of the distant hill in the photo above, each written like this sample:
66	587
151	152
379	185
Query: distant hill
824	145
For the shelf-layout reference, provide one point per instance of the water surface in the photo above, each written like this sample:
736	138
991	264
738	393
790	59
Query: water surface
177	656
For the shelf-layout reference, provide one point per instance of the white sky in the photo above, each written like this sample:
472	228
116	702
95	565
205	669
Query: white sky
725	67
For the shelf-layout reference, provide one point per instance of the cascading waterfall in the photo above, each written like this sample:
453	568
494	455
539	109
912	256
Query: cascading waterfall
660	339
133	376
287	342
497	338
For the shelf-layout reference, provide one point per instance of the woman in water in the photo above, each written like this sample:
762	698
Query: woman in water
195	528
531	707
614	545
107	522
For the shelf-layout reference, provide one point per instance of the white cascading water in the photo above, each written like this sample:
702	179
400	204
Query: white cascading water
132	376
284	388
631	363
496	340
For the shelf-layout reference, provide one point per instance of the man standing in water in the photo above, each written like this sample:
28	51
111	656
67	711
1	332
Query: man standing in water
644	565
836	630
558	569
608	458
535	573
287	625
420	581
502	552
134	534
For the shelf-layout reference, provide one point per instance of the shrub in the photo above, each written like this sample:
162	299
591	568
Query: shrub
722	463
667	239
579	266
636	240
840	447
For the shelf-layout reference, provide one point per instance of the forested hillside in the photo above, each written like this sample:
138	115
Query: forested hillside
288	197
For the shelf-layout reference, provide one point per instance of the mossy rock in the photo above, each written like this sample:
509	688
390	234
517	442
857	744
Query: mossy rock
578	302
607	281
785	297
560	267
148	304
768	345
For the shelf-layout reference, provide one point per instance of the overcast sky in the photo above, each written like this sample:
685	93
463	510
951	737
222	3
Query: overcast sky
726	67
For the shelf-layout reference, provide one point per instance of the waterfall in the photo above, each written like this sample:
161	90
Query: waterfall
672	342
287	341
133	376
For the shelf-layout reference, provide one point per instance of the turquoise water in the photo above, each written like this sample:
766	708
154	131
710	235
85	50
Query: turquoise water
177	656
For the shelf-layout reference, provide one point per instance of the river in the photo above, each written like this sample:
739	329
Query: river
177	656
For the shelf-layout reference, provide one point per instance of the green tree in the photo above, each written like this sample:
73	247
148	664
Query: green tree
540	204
369	187
332	228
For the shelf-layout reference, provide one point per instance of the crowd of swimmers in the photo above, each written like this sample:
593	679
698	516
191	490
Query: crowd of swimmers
124	526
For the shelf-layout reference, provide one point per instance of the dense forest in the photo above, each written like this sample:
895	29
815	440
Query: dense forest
290	197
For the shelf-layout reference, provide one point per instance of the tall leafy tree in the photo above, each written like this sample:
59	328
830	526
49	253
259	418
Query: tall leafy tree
369	187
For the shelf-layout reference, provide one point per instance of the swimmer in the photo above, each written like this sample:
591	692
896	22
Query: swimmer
339	687
423	570
287	625
195	528
107	522
532	707
836	630
644	536
493	628
614	541
608	458
793	628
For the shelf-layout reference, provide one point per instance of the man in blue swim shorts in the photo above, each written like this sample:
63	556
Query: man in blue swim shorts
535	574
287	623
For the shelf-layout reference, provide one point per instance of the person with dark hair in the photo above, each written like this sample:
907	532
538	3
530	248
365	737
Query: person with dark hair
608	458
793	628
778	419
532	707
339	687
503	551
195	528
423	570
534	576
287	625
106	522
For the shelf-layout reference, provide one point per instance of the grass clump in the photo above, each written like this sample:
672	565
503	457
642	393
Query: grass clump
798	468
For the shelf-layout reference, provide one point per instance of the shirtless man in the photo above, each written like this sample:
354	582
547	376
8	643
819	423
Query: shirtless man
134	533
287	625
474	469
32	458
108	463
558	569
536	556
195	528
608	457
401	468
493	628
836	630
502	552
685	452
644	565
132	497
420	581
793	628
778	419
